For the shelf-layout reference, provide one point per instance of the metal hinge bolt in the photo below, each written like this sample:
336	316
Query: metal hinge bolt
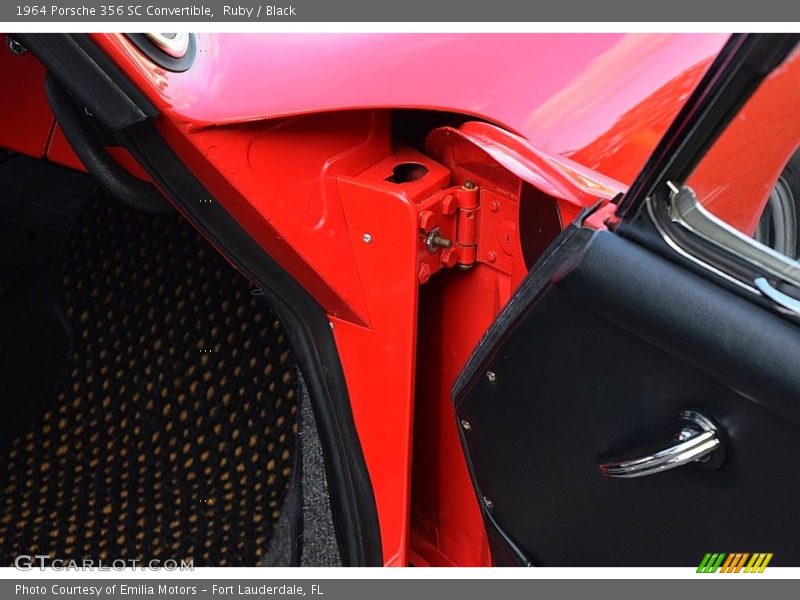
436	240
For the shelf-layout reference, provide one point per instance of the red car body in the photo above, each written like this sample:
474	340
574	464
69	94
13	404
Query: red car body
293	135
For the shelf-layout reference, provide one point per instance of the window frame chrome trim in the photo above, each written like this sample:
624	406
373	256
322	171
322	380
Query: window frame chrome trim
679	249
685	210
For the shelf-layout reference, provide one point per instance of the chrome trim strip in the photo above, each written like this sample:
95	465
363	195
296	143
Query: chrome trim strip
678	249
685	210
777	296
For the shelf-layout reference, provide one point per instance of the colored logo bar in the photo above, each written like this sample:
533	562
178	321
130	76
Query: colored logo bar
734	563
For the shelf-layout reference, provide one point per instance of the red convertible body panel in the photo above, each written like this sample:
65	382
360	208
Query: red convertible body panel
573	95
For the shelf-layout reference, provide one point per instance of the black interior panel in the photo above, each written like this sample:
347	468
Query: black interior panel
601	355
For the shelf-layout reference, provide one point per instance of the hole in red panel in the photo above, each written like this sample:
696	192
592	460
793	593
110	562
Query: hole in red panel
407	171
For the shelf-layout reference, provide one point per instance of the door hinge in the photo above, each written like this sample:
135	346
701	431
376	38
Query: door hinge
464	225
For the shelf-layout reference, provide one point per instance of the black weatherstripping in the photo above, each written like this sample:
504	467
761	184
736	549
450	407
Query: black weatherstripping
89	145
91	77
600	356
352	498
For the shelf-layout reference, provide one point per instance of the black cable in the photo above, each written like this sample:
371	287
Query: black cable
88	144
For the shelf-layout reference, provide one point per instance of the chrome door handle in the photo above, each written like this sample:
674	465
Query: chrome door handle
697	441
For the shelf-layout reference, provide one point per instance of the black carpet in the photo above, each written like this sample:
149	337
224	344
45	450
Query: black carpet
171	431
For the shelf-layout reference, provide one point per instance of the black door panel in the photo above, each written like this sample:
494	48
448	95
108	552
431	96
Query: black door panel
600	350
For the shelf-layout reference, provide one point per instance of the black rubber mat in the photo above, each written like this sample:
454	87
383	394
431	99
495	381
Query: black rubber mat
172	434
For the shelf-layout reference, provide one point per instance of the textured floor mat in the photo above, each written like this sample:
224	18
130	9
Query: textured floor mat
172	435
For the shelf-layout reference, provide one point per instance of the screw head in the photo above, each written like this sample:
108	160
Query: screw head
469	185
424	273
449	205
426	218
491	376
465	424
448	257
367	237
489	504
